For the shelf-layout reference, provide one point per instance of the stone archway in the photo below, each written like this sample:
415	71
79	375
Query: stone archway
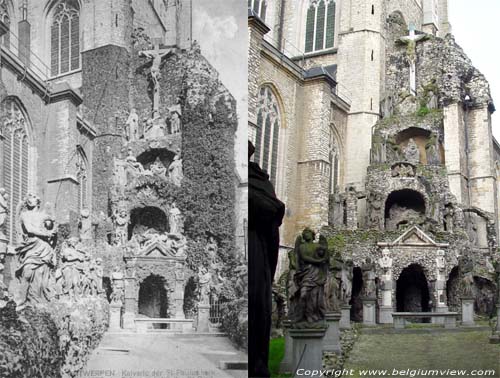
412	290
153	297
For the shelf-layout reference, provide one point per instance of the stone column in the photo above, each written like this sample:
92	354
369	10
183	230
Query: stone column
307	348
385	310
179	292
495	338
115	316
286	362
369	311
468	311
440	287
203	317
331	342
131	294
345	317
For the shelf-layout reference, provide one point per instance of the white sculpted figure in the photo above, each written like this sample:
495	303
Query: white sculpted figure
155	127
132	126
385	262
36	254
85	225
204	280
175	220
175	170
157	168
175	117
122	220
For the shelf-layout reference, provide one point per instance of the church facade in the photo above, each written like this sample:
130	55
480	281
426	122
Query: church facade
375	129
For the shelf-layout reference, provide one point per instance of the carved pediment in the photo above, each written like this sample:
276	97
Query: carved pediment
414	236
157	250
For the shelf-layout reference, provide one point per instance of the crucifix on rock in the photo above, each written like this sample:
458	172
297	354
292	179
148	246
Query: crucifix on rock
411	41
157	56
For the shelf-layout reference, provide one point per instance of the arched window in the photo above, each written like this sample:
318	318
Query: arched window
82	177
320	25
65	38
259	7
15	165
4	16
267	132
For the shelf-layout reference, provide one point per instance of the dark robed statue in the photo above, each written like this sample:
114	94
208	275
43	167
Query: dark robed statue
307	304
36	254
265	215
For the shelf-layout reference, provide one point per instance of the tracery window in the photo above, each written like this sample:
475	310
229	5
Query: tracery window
82	177
15	166
259	7
267	132
320	25
4	16
65	38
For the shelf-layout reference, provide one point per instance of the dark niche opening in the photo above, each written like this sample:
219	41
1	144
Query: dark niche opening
356	302
412	290
402	208
146	218
452	290
150	156
153	299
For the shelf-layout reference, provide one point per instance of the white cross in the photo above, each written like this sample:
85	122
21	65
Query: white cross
412	40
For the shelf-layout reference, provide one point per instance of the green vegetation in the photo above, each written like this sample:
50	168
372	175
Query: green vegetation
276	353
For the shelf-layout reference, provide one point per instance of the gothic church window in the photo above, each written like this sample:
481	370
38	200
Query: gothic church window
4	17
65	38
259	7
15	147
267	132
320	25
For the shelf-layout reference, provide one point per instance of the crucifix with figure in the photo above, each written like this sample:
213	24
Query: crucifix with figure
411	41
157	56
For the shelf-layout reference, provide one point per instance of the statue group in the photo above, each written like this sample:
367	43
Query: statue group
41	278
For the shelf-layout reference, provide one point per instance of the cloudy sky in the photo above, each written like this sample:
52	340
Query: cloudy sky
475	27
220	26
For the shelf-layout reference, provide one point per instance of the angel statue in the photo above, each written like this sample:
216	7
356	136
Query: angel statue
307	303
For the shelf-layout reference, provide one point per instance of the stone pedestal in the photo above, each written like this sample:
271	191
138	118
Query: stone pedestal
203	315
128	321
331	342
345	317
307	348
439	319
385	314
468	311
369	312
495	338
115	316
286	362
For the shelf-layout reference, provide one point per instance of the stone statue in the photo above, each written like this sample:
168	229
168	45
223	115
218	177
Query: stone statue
432	150
85	225
346	281
385	262
133	166
72	269
155	127
36	254
292	269
211	250
157	168
204	279
175	170
175	220
338	209
118	287
4	208
375	210
440	261
369	287
177	244
449	213
378	149
308	302
467	277
472	230
175	117
411	41
333	284
132	126
411	152
121	220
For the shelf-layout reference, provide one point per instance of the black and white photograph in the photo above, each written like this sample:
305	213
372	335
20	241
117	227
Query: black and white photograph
123	188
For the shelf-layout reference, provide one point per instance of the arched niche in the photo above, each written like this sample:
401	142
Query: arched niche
146	218
412	290
431	150
452	289
149	156
402	208
153	297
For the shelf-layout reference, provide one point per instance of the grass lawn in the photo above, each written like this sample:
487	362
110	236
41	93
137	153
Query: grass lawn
464	350
276	353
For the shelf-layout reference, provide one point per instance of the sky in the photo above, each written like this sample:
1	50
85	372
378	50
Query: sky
474	24
220	26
